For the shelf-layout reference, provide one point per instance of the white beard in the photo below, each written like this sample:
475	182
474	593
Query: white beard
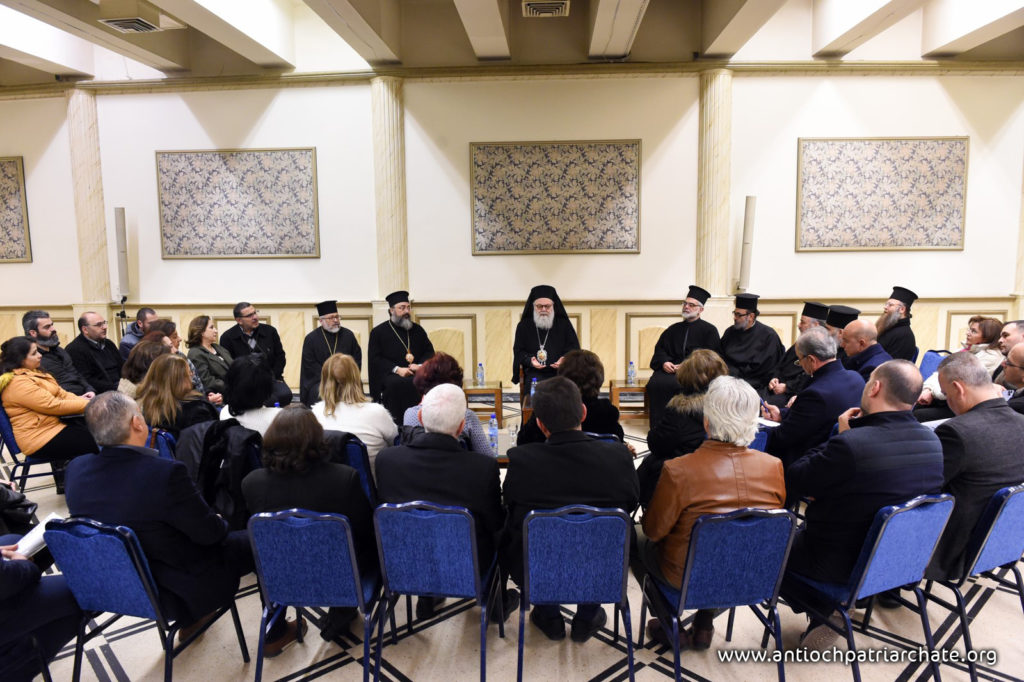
543	321
332	327
403	322
690	316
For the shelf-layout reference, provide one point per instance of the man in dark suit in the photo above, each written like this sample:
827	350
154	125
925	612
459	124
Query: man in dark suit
94	355
831	391
249	336
981	447
434	467
38	325
195	561
1013	376
1011	334
569	468
881	456
863	352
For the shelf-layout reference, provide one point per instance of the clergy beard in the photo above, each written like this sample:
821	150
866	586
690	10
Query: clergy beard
886	321
543	321
405	321
51	342
740	325
690	315
332	327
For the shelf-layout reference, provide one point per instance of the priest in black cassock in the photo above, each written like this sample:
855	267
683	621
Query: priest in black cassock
835	322
675	345
397	348
894	332
788	377
751	349
321	343
544	334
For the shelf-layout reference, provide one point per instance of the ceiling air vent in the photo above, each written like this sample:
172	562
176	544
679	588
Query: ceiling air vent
545	8
129	16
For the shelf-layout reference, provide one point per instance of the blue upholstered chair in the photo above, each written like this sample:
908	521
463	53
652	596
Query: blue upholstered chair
430	550
107	572
895	554
760	440
734	559
346	448
306	559
931	361
163	442
577	555
7	442
997	542
606	437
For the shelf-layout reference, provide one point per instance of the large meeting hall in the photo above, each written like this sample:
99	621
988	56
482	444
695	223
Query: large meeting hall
188	155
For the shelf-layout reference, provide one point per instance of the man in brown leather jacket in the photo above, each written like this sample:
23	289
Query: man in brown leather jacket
722	475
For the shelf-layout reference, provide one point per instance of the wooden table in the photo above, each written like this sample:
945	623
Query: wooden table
618	387
491	389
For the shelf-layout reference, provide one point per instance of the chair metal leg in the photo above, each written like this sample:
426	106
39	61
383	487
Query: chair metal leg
76	671
777	626
238	631
643	619
169	654
615	625
367	636
628	627
1020	584
922	604
270	614
848	627
728	627
961	610
676	657
483	642
380	637
522	633
408	612
867	614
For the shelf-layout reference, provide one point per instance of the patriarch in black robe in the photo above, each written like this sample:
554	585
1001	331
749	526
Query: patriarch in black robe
675	345
544	334
321	343
751	349
789	378
893	325
397	348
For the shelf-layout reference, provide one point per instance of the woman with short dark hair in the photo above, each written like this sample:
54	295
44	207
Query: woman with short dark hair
248	385
444	369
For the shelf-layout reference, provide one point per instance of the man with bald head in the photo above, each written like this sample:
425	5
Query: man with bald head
94	355
1012	334
1013	376
863	352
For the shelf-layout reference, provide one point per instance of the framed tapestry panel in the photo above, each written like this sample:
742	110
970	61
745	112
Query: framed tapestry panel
243	203
888	194
15	246
555	197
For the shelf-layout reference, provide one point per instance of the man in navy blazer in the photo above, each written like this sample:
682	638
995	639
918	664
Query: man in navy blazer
831	391
195	561
981	449
863	352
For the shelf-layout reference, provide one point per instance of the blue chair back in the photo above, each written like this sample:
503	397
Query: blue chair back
576	555
606	437
998	538
930	361
163	442
306	558
104	567
760	440
359	459
7	434
900	544
428	549
736	559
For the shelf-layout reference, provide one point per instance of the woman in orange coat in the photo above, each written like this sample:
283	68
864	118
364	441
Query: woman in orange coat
34	403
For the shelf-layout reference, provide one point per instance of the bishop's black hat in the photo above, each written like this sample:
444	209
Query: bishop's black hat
904	296
747	302
701	295
814	310
841	315
326	308
396	297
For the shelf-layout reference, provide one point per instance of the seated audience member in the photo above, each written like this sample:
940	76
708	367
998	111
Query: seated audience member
894	332
569	468
1010	336
434	467
210	359
167	398
1013	376
836	320
831	391
720	476
681	429
863	352
248	385
789	379
675	345
881	456
38	326
135	367
94	355
171	330
249	336
442	368
344	406
583	368
34	403
983	341
751	350
981	448
297	474
136	330
329	338
31	606
195	561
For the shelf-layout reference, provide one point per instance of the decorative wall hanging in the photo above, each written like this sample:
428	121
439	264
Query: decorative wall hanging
862	194
555	197
240	203
15	246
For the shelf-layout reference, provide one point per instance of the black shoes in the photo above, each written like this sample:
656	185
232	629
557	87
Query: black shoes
510	605
584	630
553	627
426	607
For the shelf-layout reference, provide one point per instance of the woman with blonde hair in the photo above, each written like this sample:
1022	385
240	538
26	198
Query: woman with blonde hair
344	406
168	400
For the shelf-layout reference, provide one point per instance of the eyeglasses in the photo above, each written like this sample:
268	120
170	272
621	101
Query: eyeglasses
687	304
102	323
737	314
543	306
251	315
1007	363
331	318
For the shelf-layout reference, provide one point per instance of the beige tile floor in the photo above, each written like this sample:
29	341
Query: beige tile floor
448	651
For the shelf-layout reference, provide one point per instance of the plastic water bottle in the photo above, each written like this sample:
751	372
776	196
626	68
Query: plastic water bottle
492	434
533	386
479	374
513	433
631	375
